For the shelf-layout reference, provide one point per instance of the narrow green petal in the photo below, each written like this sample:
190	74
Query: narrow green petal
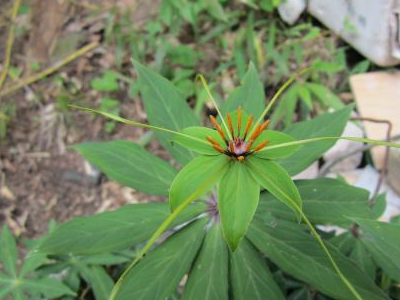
200	133
238	196
275	138
197	178
271	176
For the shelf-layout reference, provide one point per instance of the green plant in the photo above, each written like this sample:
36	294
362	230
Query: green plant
55	276
20	282
232	213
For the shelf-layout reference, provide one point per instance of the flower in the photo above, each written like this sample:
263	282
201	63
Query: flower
238	147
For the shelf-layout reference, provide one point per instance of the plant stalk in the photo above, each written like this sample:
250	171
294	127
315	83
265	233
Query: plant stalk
328	254
138	124
331	138
204	82
160	230
277	95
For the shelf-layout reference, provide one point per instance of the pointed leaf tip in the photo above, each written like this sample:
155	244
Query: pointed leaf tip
238	196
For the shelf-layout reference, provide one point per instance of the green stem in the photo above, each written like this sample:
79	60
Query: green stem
204	82
276	96
134	123
150	243
329	138
328	254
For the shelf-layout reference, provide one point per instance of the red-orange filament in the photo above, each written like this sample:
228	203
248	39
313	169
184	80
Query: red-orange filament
246	130
218	128
228	116
239	118
264	125
238	147
262	145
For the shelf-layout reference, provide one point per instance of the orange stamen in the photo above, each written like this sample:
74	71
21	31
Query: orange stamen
231	147
228	116
218	128
215	144
246	130
218	148
239	118
256	133
262	145
249	145
264	125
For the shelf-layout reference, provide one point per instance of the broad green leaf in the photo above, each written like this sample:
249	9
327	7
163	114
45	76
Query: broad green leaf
343	242
238	196
165	107
325	201
106	259
73	279
33	260
330	124
48	287
382	240
250	276
130	164
111	231
250	95
197	178
363	258
275	138
201	133
8	251
297	253
100	281
159	273
271	176
208	279
351	246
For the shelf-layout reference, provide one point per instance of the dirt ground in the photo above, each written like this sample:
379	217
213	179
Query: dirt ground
40	177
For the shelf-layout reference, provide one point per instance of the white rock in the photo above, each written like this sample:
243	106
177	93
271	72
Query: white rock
310	173
290	10
370	26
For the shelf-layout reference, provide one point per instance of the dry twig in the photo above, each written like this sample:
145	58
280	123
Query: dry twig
36	77
10	42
